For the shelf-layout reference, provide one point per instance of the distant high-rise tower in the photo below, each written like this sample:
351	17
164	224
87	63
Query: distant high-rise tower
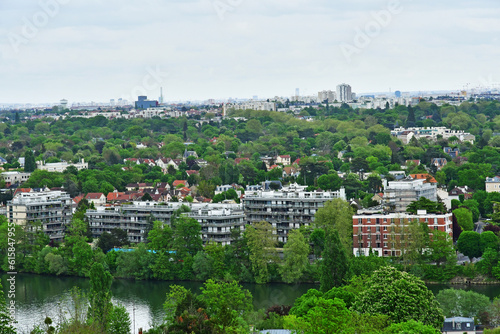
161	95
344	93
297	92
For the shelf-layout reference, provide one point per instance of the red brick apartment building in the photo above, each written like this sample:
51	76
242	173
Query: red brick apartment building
381	233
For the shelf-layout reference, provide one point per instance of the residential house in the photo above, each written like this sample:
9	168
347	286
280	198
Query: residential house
238	160
15	178
291	171
492	184
97	198
412	162
177	183
188	154
284	160
439	162
452	152
192	172
427	177
399	194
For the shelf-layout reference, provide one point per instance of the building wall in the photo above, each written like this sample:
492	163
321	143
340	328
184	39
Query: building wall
382	232
50	209
285	210
492	187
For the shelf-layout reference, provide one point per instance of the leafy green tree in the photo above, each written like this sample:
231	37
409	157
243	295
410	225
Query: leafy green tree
336	214
187	236
411	327
119	321
6	321
262	247
330	181
334	268
29	161
295	257
317	239
401	296
227	303
100	308
441	248
425	204
487	240
327	316
464	219
461	303
469	244
116	238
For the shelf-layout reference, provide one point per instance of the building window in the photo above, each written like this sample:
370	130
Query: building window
368	229
377	221
385	228
436	228
435	220
385	236
377	237
385	244
378	228
360	221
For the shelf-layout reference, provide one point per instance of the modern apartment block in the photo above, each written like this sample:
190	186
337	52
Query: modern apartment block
399	194
286	209
217	220
51	209
61	166
382	233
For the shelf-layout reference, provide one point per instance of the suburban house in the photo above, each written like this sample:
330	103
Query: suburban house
492	184
439	162
283	159
97	198
452	152
427	177
176	183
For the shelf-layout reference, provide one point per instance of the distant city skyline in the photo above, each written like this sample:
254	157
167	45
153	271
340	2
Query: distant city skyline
198	50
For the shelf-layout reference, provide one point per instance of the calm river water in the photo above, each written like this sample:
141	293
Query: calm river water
41	296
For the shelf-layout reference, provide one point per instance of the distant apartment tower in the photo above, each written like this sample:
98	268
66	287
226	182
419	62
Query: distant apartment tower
51	210
326	95
399	194
344	93
287	209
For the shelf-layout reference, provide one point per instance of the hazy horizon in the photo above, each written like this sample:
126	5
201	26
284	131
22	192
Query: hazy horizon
216	49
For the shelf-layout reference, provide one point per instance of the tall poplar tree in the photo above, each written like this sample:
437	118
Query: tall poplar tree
334	268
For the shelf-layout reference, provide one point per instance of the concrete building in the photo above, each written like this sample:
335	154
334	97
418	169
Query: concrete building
399	194
344	93
326	95
381	233
61	166
286	209
51	210
216	219
143	103
11	178
432	133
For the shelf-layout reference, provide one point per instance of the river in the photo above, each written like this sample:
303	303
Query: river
40	296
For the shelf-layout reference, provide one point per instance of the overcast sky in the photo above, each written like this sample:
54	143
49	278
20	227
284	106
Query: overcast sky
96	50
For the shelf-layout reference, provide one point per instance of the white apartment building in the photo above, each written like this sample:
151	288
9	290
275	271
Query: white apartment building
61	166
433	133
11	178
216	219
400	194
286	209
252	105
51	209
344	93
